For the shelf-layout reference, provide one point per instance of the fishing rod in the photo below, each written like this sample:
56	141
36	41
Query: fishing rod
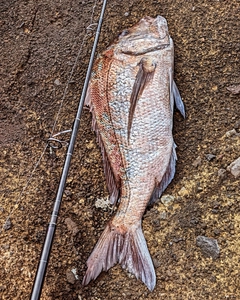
42	266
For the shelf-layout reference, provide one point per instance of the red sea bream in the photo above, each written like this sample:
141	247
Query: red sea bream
131	96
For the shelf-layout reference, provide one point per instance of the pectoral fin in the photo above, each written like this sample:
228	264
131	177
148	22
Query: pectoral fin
144	75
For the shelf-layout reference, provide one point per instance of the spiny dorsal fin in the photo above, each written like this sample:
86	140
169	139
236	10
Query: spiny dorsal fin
113	184
144	75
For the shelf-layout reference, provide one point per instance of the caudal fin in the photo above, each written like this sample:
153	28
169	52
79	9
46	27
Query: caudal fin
128	249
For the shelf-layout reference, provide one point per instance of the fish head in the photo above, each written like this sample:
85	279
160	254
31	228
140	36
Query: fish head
149	34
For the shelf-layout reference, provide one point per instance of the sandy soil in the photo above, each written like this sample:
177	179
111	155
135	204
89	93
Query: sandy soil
39	45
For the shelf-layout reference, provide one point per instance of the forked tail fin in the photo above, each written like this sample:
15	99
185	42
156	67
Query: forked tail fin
128	249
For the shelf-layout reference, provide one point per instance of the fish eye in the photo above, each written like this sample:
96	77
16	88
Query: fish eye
124	33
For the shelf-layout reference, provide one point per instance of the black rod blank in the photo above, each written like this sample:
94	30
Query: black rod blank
42	266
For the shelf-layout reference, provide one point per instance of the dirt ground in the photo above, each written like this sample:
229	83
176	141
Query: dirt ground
40	41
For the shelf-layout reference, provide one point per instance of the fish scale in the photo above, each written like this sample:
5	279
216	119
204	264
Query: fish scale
131	96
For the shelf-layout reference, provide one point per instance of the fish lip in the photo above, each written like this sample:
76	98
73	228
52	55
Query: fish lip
151	49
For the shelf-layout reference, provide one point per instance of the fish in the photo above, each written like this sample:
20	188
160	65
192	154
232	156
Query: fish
131	95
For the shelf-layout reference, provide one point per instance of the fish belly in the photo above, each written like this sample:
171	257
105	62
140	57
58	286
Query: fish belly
146	154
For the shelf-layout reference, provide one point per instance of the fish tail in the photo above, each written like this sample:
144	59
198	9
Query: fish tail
126	247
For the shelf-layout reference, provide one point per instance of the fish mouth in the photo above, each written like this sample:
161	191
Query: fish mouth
147	35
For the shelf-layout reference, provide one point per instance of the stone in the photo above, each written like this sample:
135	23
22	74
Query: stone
7	225
237	124
70	277
209	246
74	271
234	167
156	262
222	173
72	226
6	246
183	192
197	162
167	200
231	133
57	82
163	215
210	156
102	203
234	89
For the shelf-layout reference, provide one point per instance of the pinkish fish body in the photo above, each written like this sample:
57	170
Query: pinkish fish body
131	96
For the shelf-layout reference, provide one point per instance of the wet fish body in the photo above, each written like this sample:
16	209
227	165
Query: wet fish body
131	96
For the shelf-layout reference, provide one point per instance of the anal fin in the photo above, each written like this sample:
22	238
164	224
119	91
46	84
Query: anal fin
166	179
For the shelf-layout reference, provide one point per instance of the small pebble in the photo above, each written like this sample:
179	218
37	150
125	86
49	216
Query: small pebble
156	222
70	277
234	89
6	246
222	173
213	279
102	203
68	192
183	192
231	133
177	240
7	225
234	167
57	82
199	189
237	125
215	88
74	271
72	226
197	162
167	199
209	246
210	156
81	201
90	145
163	215
168	273
156	262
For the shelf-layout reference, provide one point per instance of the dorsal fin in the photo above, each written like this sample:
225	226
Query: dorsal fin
144	75
112	183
